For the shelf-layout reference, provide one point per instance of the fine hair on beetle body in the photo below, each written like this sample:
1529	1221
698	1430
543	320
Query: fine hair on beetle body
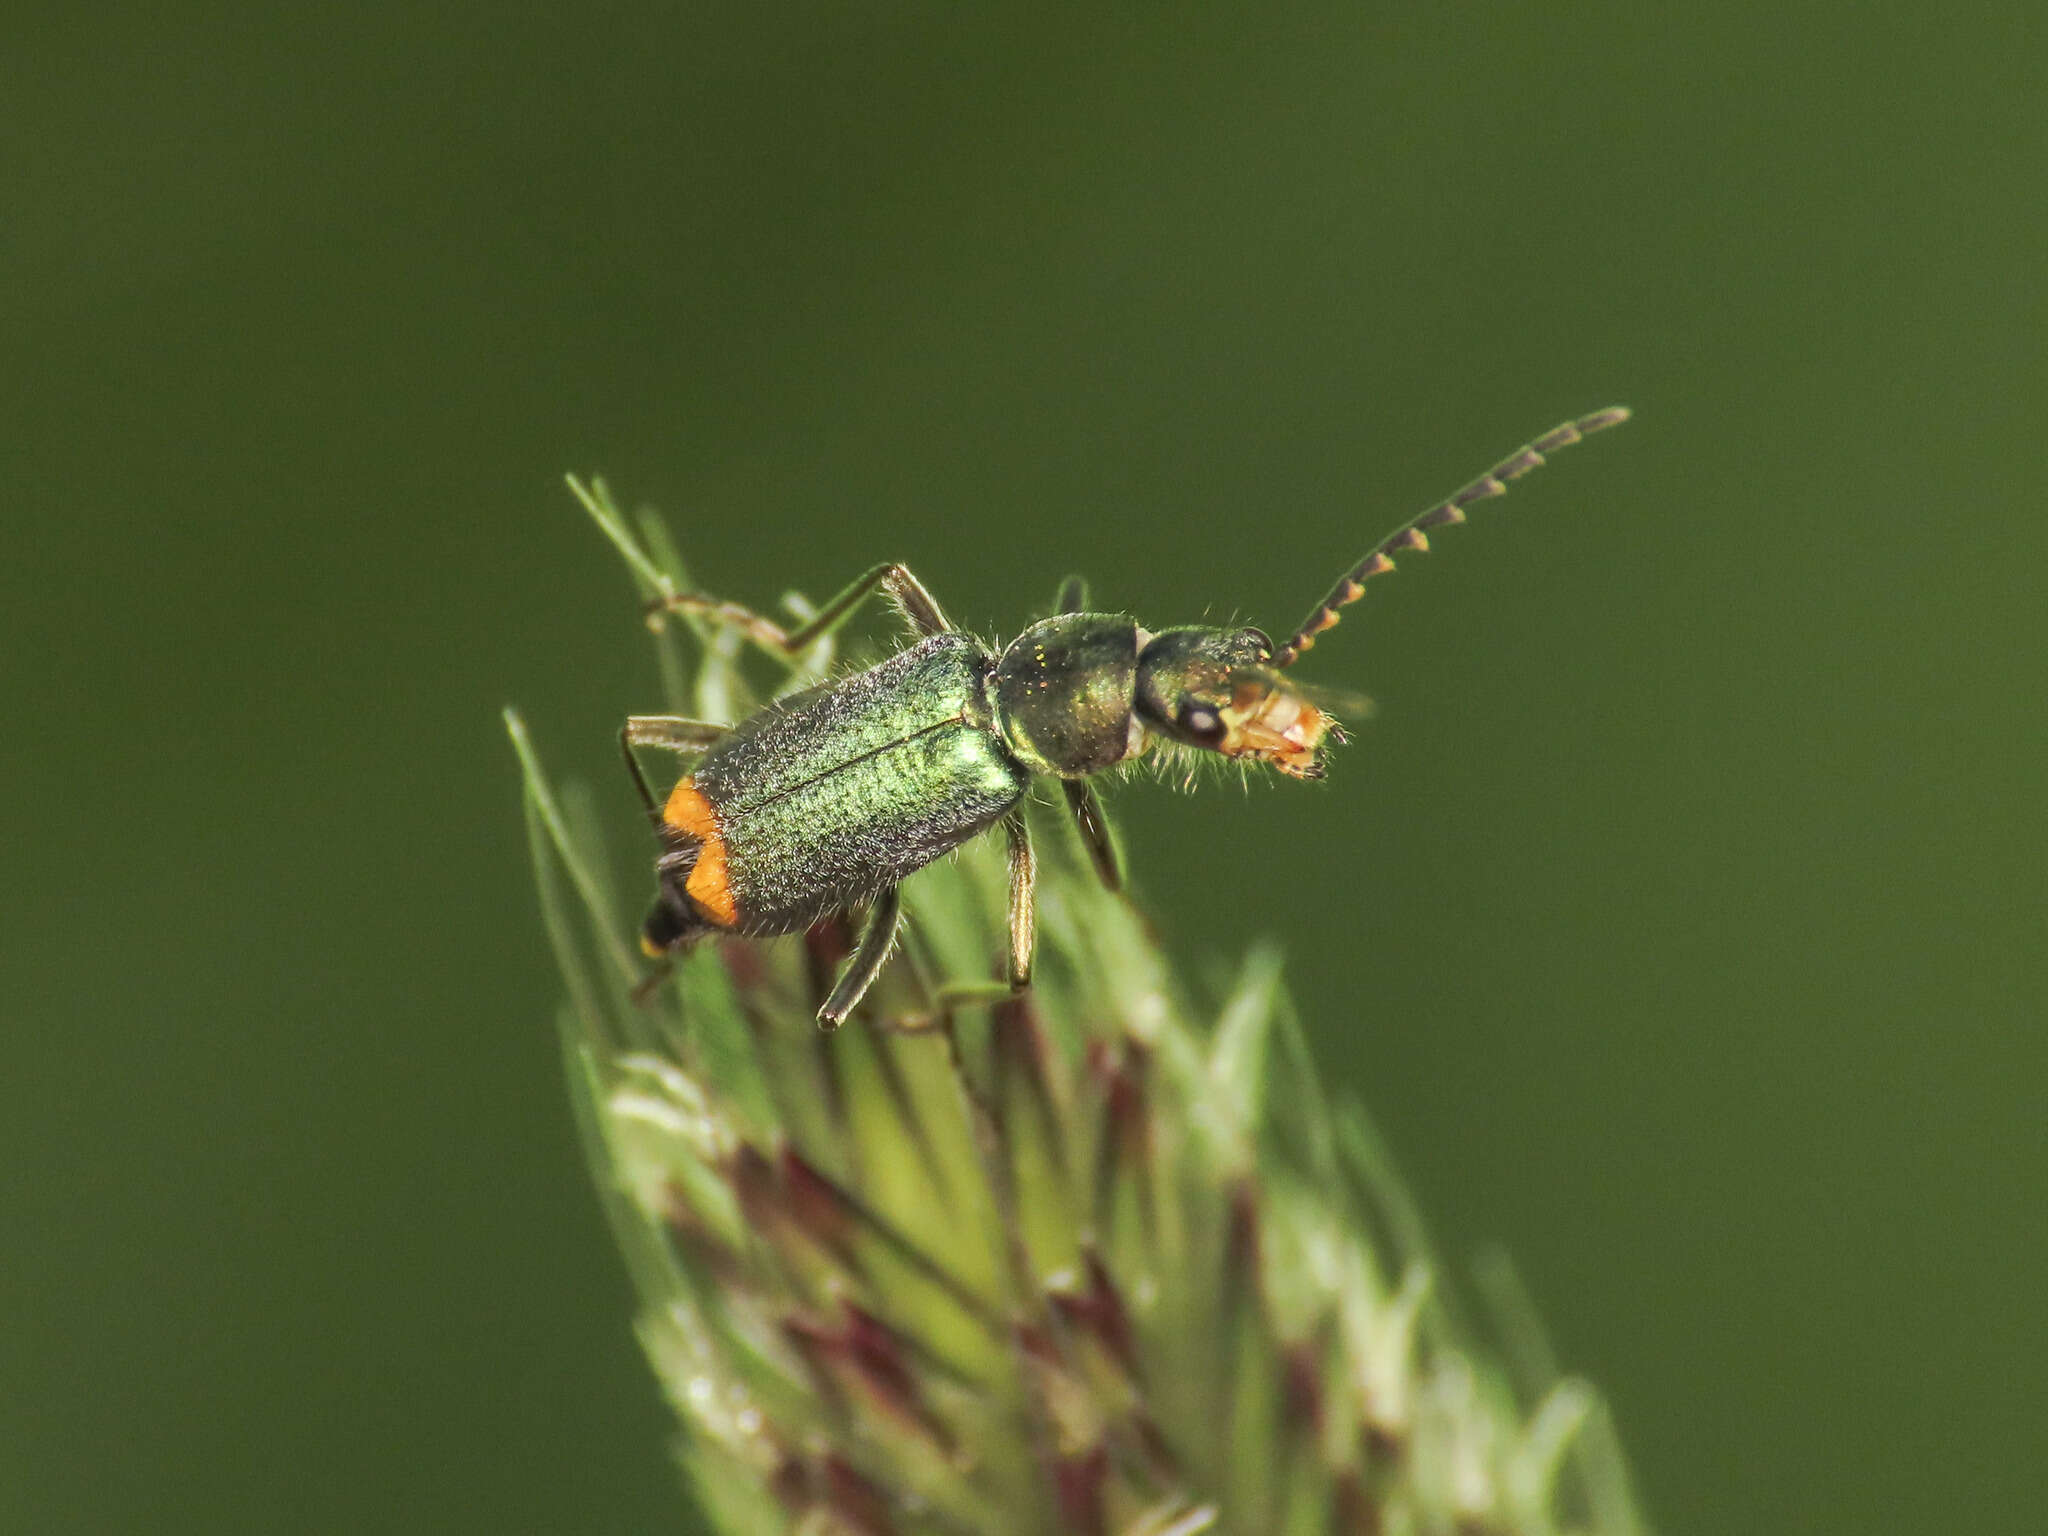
823	801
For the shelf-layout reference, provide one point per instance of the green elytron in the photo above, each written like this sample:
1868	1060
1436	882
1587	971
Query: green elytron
826	799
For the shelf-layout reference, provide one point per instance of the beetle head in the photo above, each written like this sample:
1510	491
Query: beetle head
1215	689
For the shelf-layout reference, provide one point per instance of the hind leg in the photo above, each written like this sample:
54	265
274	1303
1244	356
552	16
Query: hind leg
876	940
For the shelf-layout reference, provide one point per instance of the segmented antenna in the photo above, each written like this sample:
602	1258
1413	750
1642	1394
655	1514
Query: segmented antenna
1411	536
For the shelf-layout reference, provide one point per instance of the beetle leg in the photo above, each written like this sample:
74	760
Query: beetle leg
1073	596
1096	835
918	605
672	732
860	973
1023	902
942	999
645	989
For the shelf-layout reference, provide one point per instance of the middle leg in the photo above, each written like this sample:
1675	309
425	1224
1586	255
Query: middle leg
922	609
1023	898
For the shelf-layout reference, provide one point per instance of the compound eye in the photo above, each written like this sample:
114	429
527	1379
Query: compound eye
1265	641
1201	724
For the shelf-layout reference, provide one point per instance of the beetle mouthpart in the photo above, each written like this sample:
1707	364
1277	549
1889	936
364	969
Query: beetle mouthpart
1274	725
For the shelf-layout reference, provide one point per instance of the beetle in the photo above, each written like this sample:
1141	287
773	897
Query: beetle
827	798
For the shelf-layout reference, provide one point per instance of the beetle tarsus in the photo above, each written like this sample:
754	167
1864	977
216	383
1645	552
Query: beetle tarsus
875	942
644	989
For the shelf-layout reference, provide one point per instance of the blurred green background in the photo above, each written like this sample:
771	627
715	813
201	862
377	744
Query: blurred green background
1679	915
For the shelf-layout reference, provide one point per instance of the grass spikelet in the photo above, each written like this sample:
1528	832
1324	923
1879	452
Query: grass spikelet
1081	1261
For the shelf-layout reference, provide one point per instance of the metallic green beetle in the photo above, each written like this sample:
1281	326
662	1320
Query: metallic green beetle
826	799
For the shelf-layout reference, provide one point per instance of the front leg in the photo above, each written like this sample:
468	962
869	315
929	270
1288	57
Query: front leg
860	973
1096	834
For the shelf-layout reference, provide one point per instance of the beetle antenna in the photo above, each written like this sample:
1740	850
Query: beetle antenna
1411	535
